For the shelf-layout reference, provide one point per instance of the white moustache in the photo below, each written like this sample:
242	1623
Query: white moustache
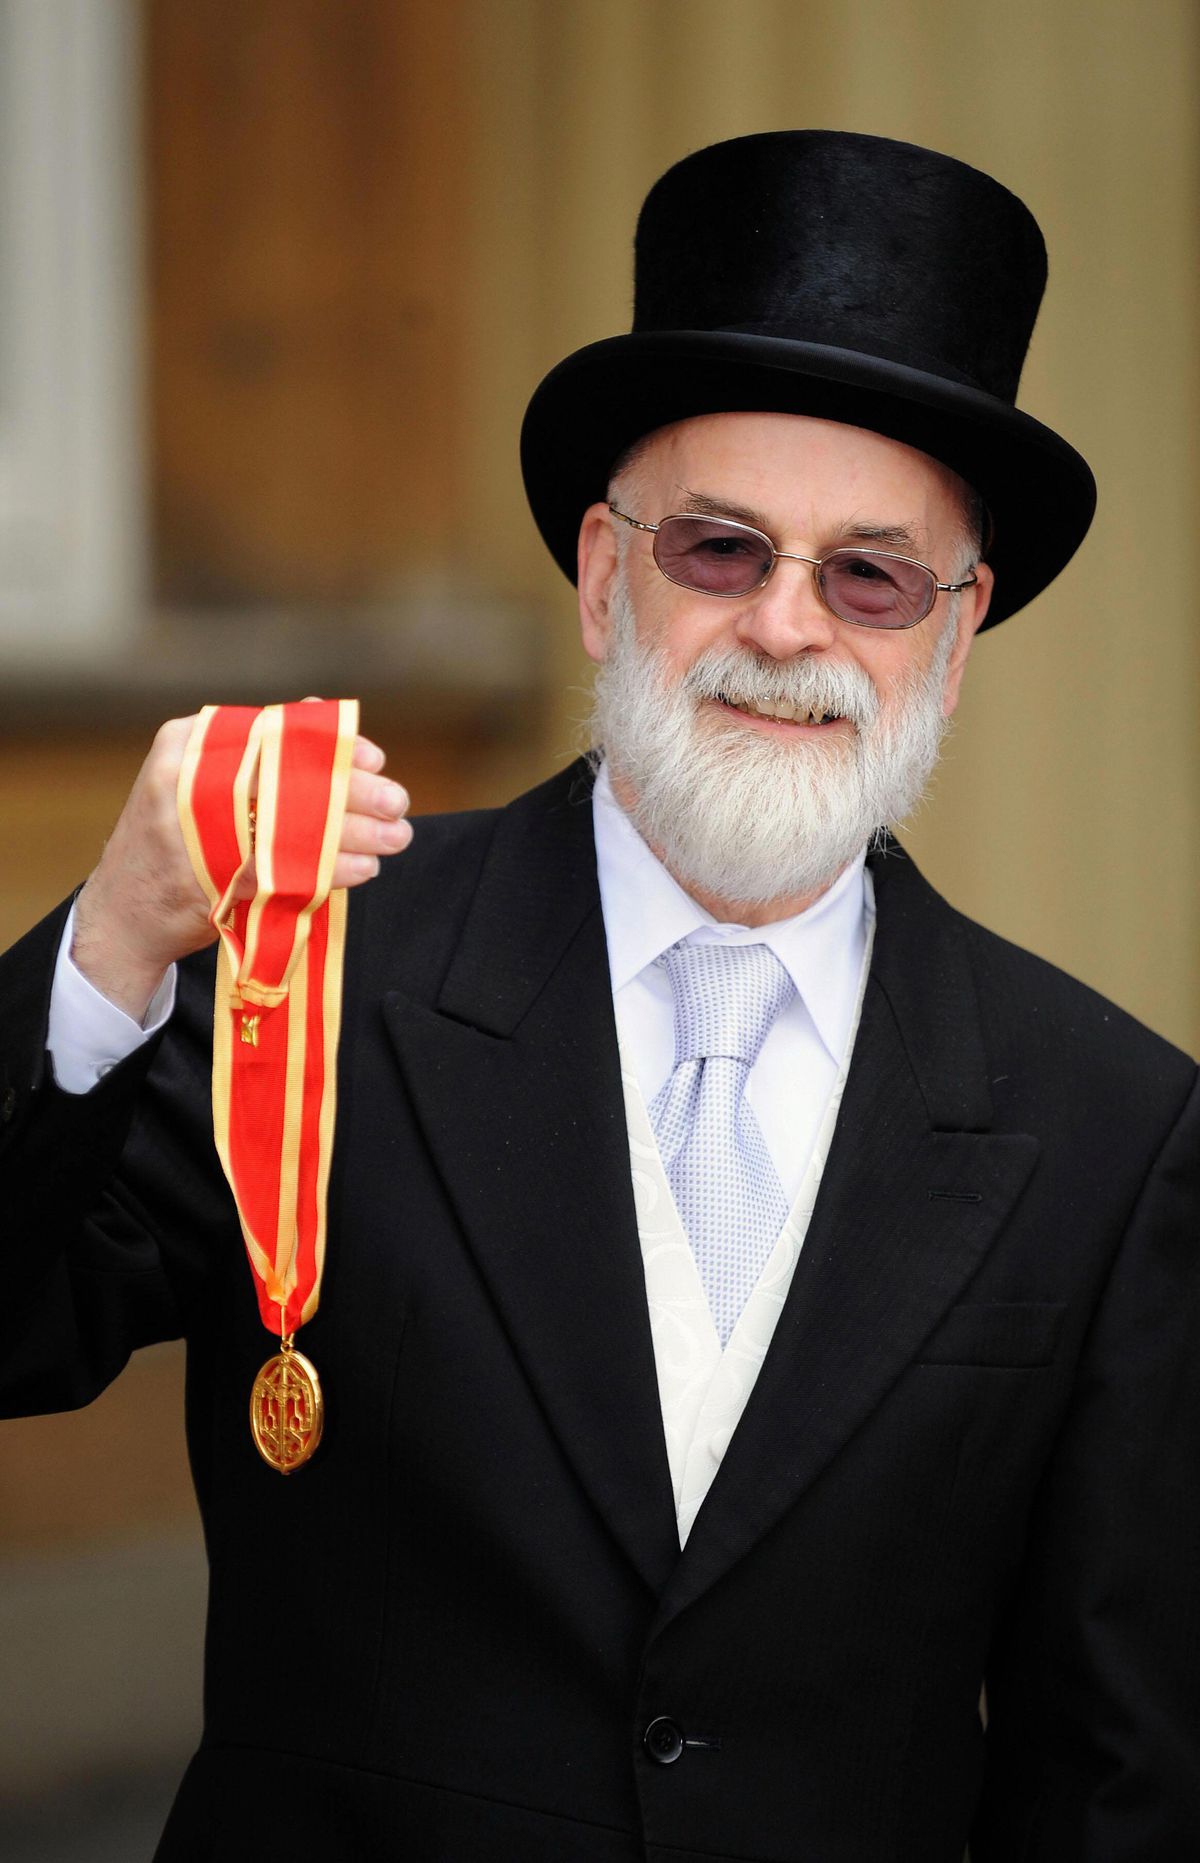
808	684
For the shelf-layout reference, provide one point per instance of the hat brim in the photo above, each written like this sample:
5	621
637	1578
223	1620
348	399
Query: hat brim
1038	490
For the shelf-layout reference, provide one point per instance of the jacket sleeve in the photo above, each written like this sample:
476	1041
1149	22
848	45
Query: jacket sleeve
1093	1690
83	1278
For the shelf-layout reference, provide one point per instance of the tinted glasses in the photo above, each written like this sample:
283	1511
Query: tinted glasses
869	588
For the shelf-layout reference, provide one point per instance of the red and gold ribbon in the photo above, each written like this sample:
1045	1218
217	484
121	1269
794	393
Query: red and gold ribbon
267	789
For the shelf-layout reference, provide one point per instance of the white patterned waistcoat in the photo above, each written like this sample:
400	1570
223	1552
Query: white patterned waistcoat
703	1390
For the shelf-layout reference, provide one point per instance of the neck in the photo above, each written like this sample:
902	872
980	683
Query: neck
728	911
752	912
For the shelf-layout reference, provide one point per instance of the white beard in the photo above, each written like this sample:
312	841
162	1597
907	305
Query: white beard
738	814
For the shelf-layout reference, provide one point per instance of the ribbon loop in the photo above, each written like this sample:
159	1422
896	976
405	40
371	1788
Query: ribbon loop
268	788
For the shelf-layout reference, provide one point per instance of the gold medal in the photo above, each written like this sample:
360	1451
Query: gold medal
287	1410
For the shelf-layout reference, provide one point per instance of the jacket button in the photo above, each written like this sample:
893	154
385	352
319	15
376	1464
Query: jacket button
663	1741
8	1105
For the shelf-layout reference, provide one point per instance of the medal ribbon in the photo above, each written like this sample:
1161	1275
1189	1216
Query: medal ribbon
277	1010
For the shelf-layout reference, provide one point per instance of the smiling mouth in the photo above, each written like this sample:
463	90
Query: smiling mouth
781	712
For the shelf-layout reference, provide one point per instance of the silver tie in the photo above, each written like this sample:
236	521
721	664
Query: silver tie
726	1188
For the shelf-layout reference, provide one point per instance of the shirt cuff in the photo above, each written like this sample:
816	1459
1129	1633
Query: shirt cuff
88	1036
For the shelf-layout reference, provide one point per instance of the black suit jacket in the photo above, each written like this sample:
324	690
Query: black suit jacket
972	1449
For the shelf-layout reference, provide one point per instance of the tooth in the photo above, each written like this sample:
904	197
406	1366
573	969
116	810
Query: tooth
784	710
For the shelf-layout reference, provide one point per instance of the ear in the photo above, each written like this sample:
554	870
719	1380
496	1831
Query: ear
597	562
973	606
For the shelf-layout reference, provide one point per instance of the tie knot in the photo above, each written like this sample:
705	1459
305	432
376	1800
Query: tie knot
726	998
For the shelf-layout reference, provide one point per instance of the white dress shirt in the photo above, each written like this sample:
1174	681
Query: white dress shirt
88	1034
646	911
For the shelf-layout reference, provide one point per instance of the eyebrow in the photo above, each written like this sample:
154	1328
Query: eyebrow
703	506
884	536
891	536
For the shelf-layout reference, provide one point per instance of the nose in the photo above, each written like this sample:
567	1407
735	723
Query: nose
787	616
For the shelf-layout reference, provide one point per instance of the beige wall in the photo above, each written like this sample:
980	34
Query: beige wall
1068	813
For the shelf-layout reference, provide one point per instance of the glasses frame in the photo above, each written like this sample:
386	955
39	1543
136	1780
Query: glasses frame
816	563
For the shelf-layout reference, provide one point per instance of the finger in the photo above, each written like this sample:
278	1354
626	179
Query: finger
160	771
171	738
354	869
375	795
367	756
368	834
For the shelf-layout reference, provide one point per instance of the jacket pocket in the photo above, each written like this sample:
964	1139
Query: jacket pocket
1014	1334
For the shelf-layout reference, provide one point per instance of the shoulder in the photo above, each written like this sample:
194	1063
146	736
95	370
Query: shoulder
1031	1001
449	851
472	864
1067	1061
1058	1053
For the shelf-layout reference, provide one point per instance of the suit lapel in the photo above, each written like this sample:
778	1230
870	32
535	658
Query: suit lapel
914	1191
515	1078
514	1075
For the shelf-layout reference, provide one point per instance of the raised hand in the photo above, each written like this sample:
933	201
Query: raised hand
142	908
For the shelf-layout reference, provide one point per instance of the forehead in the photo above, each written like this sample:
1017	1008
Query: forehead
794	472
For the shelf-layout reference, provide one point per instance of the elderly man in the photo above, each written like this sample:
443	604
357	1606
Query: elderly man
761	1305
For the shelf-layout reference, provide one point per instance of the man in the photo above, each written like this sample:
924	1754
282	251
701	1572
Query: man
761	1306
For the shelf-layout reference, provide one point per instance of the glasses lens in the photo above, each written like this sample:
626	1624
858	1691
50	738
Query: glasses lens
877	590
713	556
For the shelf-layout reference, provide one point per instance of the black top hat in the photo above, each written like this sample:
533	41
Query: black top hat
842	276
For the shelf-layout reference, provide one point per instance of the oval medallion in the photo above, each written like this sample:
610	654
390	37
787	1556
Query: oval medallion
287	1411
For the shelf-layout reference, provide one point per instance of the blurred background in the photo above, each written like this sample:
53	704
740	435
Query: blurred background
276	280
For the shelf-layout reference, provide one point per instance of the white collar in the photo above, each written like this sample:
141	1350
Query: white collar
646	910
